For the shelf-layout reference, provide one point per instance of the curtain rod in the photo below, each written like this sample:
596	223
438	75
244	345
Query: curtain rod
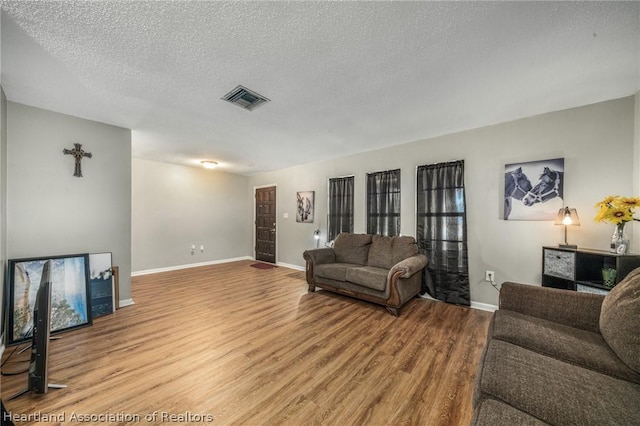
385	171
443	163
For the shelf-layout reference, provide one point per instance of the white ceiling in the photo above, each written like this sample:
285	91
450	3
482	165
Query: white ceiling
342	77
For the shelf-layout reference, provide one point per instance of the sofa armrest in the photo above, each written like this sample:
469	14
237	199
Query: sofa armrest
571	308
320	256
317	257
409	266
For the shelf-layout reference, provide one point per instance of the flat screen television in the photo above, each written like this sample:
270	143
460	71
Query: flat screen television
39	364
37	381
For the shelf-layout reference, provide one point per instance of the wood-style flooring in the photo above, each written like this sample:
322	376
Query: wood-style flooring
232	344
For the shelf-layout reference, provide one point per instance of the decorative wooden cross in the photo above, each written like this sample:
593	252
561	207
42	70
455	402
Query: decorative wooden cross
77	153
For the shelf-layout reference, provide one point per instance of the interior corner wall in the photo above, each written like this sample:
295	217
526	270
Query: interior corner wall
635	242
50	211
175	207
596	142
3	204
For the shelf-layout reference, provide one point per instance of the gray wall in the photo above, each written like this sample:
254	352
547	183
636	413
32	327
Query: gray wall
635	242
175	207
596	141
3	201
51	212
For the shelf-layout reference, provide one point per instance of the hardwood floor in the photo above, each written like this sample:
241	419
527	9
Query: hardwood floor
240	345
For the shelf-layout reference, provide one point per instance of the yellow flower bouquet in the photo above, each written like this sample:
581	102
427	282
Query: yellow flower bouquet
617	210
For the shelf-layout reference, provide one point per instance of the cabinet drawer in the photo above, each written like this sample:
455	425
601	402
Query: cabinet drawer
560	264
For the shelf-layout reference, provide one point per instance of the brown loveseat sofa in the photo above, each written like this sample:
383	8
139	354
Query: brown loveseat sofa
378	269
558	357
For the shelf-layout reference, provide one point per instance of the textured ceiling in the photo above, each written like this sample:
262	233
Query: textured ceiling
342	77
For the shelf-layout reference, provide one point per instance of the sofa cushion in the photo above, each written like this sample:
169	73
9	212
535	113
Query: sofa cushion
620	319
554	391
492	413
381	252
580	347
387	251
368	276
403	248
333	271
352	248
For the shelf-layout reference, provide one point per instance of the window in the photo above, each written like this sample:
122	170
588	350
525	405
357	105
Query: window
383	203
442	230
340	206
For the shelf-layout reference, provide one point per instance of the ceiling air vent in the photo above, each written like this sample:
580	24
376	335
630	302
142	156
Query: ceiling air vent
245	98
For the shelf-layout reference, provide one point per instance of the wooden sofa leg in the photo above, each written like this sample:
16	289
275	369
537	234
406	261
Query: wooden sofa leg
393	311
312	288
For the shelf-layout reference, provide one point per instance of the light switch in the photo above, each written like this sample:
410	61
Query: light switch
285	215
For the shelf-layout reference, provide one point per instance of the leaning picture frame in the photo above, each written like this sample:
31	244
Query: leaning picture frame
70	295
102	284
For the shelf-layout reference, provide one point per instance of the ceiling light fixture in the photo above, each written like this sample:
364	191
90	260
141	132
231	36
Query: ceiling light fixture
209	164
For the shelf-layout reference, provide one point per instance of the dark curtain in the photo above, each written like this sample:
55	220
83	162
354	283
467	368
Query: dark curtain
340	206
442	231
383	203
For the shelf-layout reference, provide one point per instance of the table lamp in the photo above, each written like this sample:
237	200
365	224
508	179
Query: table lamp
566	217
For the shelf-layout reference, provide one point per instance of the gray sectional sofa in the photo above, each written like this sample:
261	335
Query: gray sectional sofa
378	269
558	357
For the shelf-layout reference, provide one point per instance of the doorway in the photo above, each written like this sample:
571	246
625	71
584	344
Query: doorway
266	224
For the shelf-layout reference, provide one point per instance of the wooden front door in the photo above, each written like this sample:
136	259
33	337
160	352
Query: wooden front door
266	224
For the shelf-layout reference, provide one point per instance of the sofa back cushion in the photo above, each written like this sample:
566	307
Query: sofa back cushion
352	248
620	320
387	251
404	248
381	252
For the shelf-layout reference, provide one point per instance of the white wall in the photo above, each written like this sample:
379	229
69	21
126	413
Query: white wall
596	141
51	212
175	207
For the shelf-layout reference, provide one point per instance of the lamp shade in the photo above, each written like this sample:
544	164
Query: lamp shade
567	216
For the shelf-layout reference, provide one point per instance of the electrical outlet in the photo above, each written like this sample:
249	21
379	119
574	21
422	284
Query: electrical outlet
489	276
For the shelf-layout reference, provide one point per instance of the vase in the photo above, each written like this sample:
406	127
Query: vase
619	242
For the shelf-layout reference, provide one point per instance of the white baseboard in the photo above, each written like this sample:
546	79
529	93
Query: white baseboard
290	266
474	305
126	302
190	265
484	306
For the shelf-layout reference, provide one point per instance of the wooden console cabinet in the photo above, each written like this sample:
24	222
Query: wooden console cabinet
581	269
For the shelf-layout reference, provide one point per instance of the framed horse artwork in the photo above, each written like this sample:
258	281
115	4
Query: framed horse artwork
533	190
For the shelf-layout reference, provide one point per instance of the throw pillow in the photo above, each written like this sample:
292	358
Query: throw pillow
620	320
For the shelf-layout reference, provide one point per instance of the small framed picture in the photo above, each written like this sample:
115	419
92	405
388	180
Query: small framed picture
304	211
